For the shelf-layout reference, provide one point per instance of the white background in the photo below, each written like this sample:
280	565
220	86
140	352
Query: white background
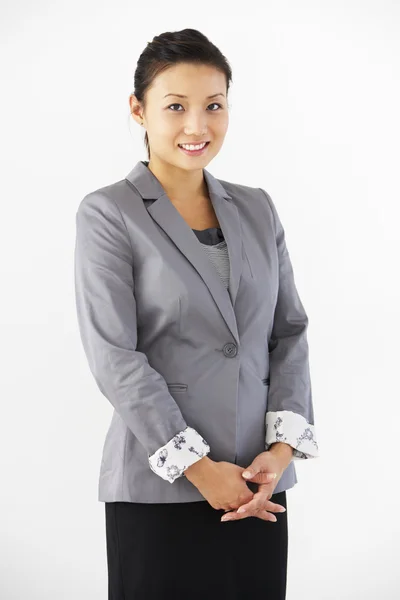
315	122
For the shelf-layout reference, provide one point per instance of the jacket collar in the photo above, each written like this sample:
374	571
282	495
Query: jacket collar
150	188
169	219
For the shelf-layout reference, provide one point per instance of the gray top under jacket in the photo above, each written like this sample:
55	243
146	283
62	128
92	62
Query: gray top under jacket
213	241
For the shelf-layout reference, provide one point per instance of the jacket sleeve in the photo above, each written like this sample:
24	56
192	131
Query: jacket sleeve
106	311
290	416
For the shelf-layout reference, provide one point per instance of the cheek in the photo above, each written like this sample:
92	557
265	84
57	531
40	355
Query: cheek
162	128
221	126
225	119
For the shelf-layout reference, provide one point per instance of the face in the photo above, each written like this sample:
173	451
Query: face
185	104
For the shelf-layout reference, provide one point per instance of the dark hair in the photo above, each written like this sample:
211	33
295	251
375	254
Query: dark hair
171	48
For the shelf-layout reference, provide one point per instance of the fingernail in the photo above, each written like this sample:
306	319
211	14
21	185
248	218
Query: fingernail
246	474
273	475
241	509
224	518
283	509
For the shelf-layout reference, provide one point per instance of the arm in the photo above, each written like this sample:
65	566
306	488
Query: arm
290	417
106	310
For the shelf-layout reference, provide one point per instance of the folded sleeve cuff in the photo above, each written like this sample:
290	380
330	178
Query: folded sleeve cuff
293	429
184	449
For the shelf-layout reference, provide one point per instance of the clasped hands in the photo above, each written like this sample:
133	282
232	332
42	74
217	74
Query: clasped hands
223	484
265	470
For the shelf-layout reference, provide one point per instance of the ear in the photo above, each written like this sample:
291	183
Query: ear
136	109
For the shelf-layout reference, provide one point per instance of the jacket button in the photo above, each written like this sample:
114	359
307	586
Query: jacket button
230	350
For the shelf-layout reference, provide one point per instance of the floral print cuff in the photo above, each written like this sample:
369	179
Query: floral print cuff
184	449
293	429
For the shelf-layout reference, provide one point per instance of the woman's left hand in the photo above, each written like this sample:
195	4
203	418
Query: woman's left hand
261	469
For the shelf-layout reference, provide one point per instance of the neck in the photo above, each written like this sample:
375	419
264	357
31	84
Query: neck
181	186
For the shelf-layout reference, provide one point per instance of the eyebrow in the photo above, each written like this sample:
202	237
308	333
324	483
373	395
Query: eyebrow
182	96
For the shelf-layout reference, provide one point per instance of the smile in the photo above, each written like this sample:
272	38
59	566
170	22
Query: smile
193	149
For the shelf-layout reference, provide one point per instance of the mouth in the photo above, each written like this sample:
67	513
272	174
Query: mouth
194	149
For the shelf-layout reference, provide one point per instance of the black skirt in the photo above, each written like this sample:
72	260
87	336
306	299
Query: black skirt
173	551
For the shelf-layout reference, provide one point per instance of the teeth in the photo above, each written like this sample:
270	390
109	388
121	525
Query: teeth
192	147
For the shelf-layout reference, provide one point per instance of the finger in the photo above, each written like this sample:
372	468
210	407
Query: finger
273	507
261	502
251	506
234	516
258	502
264	515
260	476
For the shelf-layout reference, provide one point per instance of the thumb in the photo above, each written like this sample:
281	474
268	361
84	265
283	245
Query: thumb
254	469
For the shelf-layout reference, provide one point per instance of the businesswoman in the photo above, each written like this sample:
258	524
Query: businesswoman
194	331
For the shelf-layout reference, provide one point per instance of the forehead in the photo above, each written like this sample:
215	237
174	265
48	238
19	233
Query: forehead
193	81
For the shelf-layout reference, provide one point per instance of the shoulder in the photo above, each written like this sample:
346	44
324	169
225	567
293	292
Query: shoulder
239	190
234	188
257	196
107	198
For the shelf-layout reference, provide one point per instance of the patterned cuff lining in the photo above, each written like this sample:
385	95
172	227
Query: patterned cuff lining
293	429
184	449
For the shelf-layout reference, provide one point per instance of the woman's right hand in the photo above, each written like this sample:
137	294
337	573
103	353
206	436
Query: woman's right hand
221	483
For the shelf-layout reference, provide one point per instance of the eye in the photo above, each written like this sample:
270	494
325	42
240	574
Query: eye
213	103
216	104
175	105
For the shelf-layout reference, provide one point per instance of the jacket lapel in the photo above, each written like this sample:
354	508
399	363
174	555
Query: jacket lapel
169	219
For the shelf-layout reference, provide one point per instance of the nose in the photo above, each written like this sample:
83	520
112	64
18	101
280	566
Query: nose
195	125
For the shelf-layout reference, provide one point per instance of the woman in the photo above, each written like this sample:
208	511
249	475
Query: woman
194	331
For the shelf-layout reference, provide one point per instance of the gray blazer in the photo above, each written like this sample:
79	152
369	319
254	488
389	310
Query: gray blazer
190	367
